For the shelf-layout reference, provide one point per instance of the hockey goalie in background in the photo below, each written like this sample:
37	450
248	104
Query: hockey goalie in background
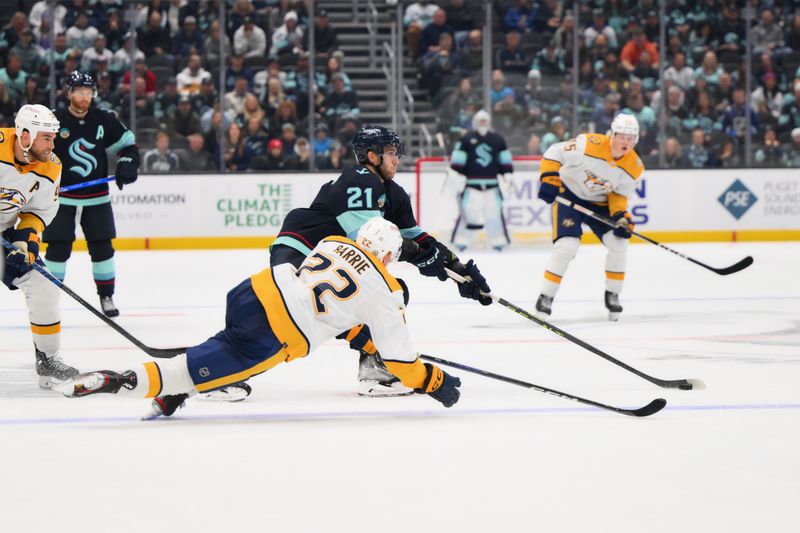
481	156
598	172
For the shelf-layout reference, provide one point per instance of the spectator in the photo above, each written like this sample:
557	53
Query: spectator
8	109
734	122
439	67
673	156
703	116
151	84
288	138
13	77
31	95
161	159
211	44
301	159
547	16
769	94
536	100
275	159
121	60
190	78
274	97
325	38
651	25
417	16
505	109
732	28
59	51
184	121
646	72
558	132
792	159
702	39
285	114
206	98
472	52
697	155
339	102
600	121
166	101
455	117
512	58
107	97
550	60
296	84
723	93
234	100
95	54
81	36
188	39
334	66
710	70
429	42
10	33
679	73
144	105
767	34
287	37
155	40
114	32
791	38
237	155
520	17
237	70
769	154
599	26
463	17
252	110
255	137
534	146
322	143
564	35
40	12
344	137
334	161
730	156
197	159
31	54
629	56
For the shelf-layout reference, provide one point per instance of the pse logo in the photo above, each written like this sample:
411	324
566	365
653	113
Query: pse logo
737	199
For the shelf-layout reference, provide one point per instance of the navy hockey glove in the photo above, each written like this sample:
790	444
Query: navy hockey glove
622	224
127	171
359	339
440	386
548	188
475	284
19	262
432	258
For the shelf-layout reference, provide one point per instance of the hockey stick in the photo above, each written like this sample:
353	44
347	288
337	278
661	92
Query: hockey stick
75	186
649	409
683	384
741	265
152	352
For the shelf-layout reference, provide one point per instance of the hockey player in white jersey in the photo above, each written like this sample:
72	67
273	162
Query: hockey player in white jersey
598	172
30	174
286	312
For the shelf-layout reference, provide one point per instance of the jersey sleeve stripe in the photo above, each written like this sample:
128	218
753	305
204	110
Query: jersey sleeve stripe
390	280
280	319
127	139
28	219
351	221
411	233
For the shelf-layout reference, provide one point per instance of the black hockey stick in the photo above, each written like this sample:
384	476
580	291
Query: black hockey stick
649	409
683	384
152	352
741	265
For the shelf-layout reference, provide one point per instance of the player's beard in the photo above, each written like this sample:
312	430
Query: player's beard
79	107
41	156
386	172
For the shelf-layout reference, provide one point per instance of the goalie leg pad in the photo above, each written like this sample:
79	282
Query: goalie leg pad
496	230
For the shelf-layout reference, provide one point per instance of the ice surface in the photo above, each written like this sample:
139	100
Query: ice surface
304	453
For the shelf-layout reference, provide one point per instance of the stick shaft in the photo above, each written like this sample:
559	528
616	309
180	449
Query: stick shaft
85	184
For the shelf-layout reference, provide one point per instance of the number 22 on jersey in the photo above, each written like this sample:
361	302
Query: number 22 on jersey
347	288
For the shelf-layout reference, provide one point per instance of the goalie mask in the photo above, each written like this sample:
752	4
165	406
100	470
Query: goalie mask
481	122
379	236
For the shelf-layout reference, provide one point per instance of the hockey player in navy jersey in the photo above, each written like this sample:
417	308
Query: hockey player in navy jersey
480	156
86	133
341	207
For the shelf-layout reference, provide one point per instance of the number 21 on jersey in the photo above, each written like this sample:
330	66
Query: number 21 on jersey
358	198
346	290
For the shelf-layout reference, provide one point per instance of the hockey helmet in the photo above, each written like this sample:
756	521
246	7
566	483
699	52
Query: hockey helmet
373	137
481	122
379	236
626	123
35	118
81	79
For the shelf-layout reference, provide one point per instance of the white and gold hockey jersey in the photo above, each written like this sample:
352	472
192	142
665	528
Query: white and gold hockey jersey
338	286
28	192
584	166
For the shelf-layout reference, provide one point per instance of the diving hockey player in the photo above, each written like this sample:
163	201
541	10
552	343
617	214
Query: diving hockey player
30	175
481	155
341	207
599	172
86	133
285	312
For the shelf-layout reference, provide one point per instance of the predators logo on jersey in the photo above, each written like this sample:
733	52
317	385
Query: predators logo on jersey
595	183
11	199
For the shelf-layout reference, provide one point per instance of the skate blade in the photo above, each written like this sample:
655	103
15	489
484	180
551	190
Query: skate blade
230	394
613	317
373	389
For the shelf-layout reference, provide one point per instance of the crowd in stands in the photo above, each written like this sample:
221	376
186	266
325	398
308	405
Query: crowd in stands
703	82
175	48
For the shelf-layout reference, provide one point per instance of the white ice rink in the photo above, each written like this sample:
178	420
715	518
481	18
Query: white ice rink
305	454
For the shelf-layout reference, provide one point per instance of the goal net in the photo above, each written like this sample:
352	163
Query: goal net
439	192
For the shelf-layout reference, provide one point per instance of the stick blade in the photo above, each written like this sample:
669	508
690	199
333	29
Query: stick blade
697	384
741	265
649	409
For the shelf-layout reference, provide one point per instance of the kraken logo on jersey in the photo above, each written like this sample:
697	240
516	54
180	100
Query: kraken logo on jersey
11	199
79	152
484	153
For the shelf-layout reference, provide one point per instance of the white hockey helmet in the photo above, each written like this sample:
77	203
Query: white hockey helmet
379	236
626	123
481	122
35	118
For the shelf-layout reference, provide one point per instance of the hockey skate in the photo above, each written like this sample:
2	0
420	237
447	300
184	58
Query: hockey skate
52	370
108	307
374	380
98	382
544	307
613	306
165	405
230	393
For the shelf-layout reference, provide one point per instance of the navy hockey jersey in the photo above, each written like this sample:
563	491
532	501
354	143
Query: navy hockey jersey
81	145
481	158
343	206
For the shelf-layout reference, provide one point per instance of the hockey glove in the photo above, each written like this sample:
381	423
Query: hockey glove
432	258
622	224
127	171
440	386
359	339
20	261
475	288
549	187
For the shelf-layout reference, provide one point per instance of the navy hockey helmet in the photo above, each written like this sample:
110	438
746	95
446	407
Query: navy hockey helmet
374	138
81	79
